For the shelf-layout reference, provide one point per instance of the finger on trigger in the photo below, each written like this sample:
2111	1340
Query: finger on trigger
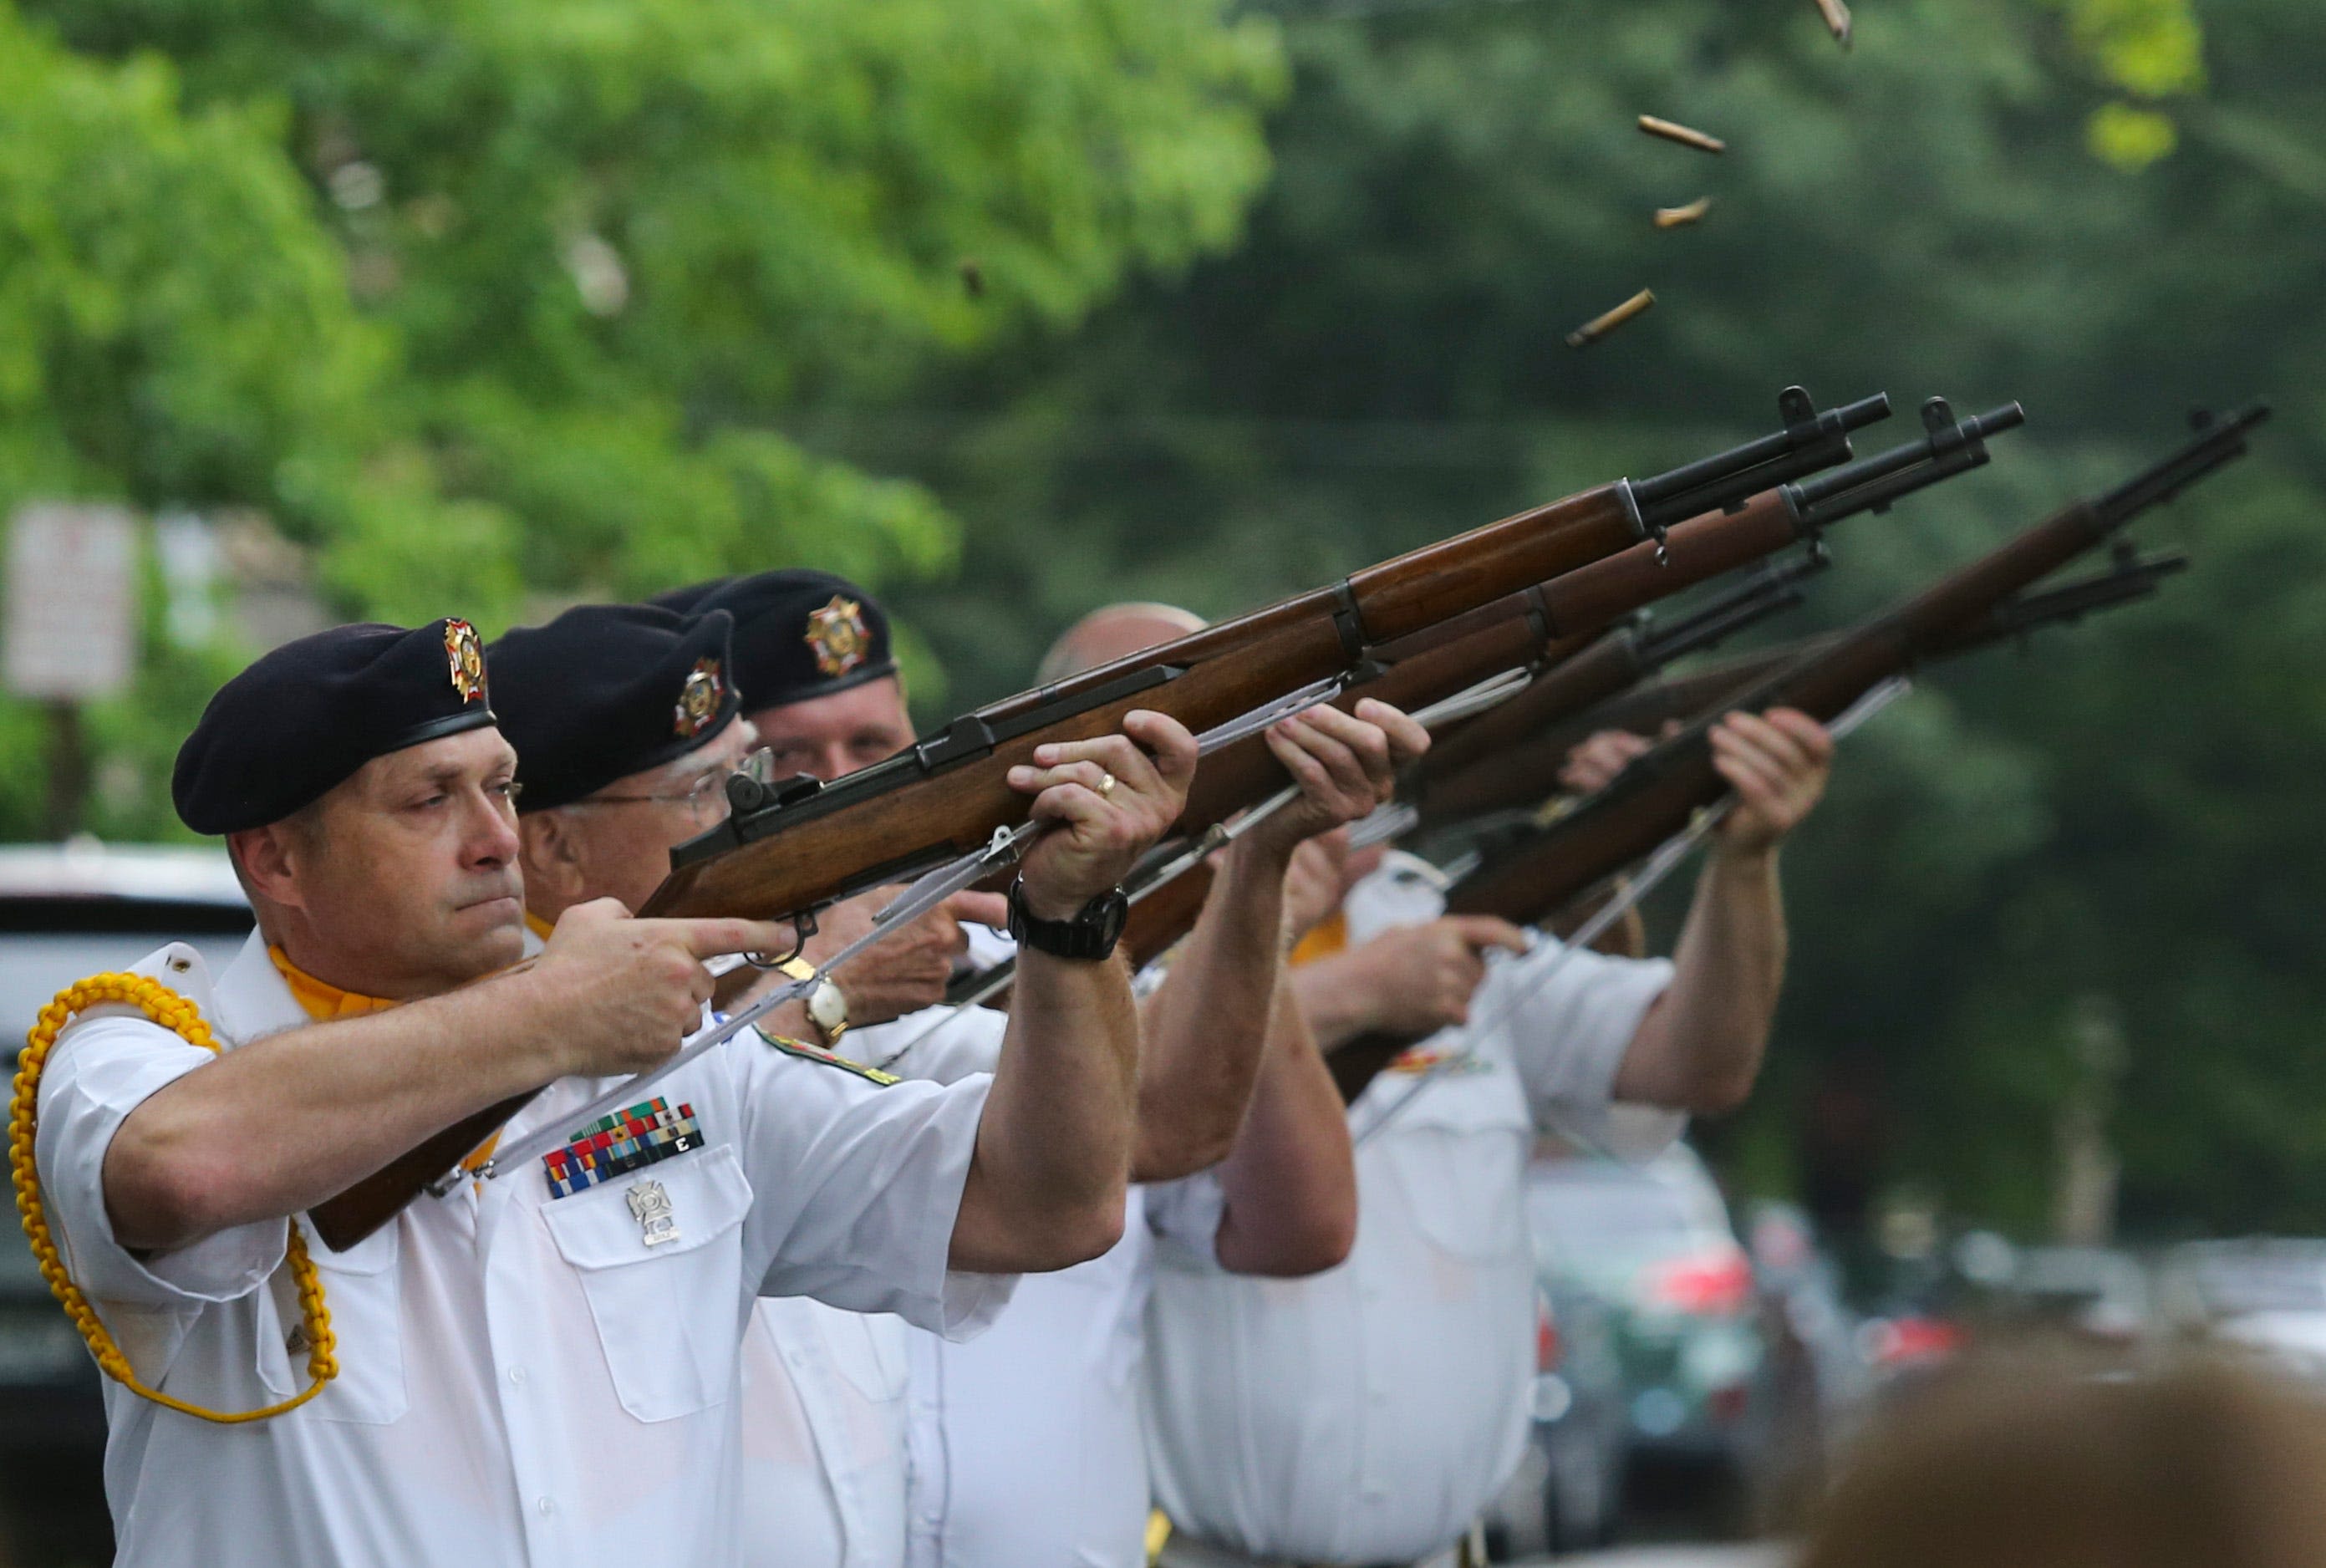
710	938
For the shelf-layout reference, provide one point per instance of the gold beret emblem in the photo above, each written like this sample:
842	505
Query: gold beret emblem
699	699
837	636
466	655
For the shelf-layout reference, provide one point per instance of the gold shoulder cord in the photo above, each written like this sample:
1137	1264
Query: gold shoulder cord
184	1019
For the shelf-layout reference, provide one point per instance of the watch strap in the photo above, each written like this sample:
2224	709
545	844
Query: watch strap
1087	936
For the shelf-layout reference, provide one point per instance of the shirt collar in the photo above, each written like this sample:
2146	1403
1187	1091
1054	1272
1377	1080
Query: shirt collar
319	998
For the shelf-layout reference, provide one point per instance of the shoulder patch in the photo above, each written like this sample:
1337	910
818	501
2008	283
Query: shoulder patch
800	1048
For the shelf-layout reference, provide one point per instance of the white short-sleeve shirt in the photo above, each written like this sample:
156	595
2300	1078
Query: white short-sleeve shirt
1367	1413
827	1449
822	1417
524	1379
1027	1446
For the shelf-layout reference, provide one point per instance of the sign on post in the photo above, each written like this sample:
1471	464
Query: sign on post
71	631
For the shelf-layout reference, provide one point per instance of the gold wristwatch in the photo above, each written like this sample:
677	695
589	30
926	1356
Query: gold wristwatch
826	1003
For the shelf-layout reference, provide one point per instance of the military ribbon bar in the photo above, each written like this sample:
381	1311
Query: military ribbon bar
619	1143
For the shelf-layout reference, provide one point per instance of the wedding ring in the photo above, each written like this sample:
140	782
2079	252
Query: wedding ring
1105	784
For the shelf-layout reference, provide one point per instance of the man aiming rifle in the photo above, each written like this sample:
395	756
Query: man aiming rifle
539	1367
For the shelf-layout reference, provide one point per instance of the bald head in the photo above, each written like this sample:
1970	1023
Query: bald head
1115	631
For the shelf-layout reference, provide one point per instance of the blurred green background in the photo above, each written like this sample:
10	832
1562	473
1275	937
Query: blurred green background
1009	307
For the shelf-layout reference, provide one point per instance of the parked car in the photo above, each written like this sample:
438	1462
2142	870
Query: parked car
2095	1295
1568	1492
1653	1242
67	912
2264	1295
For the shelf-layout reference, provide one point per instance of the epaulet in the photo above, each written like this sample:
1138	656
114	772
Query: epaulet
803	1049
177	969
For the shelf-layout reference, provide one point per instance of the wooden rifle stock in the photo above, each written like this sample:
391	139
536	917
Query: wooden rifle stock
1540	870
947	796
1548	624
794	848
1555	627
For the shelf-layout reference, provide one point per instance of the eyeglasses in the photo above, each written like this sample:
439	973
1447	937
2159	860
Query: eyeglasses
758	766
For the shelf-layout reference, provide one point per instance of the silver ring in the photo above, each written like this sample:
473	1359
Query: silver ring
1105	783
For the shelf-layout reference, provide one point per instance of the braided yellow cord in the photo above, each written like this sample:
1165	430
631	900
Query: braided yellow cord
184	1019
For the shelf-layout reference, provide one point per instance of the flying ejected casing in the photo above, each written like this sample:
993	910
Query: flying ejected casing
1672	131
1598	327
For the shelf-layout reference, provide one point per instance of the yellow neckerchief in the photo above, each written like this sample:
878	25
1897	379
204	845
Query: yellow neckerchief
321	1000
1326	938
537	926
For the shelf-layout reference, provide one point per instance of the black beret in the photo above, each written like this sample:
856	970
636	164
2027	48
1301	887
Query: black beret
688	600
306	716
608	690
799	634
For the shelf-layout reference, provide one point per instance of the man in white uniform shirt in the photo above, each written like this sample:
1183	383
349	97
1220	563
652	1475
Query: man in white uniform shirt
607	794
1031	1449
1367	1414
537	1368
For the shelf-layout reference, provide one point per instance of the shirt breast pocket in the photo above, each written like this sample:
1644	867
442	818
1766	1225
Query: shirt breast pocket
660	1258
361	1290
1457	1154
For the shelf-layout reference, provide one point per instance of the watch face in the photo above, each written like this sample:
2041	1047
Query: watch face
1108	917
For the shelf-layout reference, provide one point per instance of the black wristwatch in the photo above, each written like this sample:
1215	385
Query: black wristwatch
1090	934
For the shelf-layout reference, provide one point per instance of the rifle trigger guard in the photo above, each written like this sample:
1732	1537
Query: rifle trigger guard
804	926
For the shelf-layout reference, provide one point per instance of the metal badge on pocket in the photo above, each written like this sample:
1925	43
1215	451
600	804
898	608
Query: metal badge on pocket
650	1205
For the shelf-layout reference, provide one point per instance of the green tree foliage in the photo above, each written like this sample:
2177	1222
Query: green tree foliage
495	298
616	237
2123	815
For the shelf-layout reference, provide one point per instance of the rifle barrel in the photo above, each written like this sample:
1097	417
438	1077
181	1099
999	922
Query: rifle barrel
1654	795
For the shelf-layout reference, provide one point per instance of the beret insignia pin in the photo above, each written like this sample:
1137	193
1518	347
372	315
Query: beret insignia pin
466	655
699	699
837	636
